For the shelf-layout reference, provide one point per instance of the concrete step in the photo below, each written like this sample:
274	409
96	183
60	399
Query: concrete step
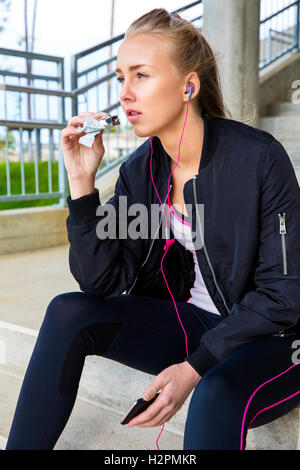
283	109
102	428
100	401
282	127
16	346
21	317
30	280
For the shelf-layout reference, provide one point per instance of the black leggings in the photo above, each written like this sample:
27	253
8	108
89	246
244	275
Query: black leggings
144	333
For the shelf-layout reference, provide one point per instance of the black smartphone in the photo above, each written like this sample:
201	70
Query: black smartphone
139	405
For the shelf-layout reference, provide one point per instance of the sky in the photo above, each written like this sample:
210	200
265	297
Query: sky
69	26
66	27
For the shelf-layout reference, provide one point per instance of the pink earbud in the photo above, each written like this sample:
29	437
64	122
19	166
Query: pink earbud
190	89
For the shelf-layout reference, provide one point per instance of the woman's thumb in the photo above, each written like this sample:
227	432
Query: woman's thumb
149	393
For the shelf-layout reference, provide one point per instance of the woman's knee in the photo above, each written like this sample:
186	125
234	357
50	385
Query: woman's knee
217	386
64	308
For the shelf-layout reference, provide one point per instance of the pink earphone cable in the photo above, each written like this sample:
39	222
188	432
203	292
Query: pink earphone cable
168	241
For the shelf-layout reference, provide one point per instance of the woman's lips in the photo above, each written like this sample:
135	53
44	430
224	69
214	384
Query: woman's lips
134	117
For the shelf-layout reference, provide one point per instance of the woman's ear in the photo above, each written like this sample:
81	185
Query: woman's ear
192	81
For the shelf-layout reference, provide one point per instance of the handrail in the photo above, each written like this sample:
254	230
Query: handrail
60	93
80	94
30	55
273	15
273	48
31	124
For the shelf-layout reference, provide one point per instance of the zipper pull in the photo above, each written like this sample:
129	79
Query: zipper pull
282	226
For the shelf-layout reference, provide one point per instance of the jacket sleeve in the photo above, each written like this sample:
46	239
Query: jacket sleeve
274	305
105	267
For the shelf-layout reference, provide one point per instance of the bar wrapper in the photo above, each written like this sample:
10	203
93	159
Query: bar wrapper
92	127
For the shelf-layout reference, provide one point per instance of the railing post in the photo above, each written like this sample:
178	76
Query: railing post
298	26
62	179
74	84
38	145
62	174
269	46
61	74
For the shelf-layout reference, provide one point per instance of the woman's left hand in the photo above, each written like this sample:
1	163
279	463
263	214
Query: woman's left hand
176	383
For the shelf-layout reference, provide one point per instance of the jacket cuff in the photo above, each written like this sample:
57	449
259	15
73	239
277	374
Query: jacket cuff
83	209
202	360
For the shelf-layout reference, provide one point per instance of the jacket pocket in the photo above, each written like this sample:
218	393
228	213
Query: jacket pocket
287	231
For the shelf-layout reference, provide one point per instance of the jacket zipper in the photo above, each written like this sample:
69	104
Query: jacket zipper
282	232
205	250
150	249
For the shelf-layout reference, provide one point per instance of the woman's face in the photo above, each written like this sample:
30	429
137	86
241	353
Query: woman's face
154	89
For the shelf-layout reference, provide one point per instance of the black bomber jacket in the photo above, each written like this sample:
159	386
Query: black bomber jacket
250	258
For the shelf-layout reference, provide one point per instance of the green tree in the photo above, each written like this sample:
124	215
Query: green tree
11	141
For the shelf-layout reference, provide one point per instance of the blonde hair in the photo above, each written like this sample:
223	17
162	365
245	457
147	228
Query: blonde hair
189	51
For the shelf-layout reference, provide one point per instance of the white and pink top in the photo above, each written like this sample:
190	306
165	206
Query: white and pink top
182	232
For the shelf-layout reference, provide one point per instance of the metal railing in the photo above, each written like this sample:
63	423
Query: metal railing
21	136
32	116
279	30
36	138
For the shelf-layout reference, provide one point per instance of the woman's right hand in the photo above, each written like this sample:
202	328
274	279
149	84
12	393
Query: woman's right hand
81	162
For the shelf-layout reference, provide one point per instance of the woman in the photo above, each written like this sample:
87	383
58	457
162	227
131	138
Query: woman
237	294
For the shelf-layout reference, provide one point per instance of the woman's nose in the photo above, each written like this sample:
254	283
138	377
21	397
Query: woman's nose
126	92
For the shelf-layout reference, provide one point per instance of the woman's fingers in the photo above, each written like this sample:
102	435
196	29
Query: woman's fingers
95	115
159	419
79	120
76	121
151	413
70	131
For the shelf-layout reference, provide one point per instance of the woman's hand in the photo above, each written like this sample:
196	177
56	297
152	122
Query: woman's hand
81	162
176	383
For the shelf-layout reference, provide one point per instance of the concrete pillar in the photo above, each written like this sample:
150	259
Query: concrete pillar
232	29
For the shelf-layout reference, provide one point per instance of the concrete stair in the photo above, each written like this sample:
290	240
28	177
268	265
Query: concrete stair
100	404
101	424
283	109
283	122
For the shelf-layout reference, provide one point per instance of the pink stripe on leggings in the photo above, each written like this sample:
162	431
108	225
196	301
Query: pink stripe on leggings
271	406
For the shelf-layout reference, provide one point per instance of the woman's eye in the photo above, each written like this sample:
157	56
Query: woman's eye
120	79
